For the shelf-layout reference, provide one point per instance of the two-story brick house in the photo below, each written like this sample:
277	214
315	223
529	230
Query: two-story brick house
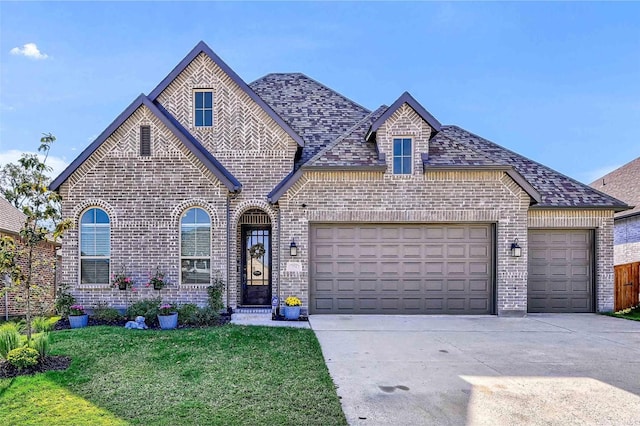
285	187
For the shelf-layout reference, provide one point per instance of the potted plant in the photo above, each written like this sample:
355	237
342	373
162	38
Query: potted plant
157	280
122	281
77	317
167	316
292	308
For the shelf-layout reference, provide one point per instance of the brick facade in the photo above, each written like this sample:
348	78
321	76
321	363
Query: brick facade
145	198
45	265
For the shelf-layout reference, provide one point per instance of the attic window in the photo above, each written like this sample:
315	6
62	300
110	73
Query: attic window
402	154
145	141
203	108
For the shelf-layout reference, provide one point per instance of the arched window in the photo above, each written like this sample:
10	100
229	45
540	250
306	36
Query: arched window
95	247
195	247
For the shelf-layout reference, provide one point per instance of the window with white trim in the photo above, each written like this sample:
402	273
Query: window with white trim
203	108
402	156
95	246
195	247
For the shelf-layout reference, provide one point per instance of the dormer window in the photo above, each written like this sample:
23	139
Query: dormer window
203	108
402	156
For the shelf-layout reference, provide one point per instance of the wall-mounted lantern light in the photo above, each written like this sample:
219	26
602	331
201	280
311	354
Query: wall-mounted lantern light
516	251
293	248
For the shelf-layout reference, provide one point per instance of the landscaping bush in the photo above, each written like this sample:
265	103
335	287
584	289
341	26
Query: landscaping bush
207	316
63	301
215	292
102	312
10	338
44	324
23	357
40	342
148	308
188	314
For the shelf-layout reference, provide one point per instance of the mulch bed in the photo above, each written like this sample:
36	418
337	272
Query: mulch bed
63	324
49	363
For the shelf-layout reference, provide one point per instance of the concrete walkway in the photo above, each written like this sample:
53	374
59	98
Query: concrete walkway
435	370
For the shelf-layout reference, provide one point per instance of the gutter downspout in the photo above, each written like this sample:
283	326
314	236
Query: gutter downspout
279	253
228	245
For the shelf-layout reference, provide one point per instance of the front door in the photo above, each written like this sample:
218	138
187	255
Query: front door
256	265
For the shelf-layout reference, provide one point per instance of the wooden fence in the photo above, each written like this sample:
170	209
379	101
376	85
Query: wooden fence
627	285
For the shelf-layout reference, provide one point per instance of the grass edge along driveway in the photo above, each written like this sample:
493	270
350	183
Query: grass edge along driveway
230	375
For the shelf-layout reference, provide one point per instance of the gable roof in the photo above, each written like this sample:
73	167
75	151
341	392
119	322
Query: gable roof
180	132
317	113
202	47
623	183
11	218
406	98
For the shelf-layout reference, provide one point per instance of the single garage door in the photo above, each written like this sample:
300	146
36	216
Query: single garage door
560	270
401	269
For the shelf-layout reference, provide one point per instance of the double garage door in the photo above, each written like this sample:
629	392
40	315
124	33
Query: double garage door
440	269
401	269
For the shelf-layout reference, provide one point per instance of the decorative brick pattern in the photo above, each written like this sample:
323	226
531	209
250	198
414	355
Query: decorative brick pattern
145	198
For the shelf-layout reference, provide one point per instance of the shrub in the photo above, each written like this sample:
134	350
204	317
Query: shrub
102	312
10	338
42	324
40	342
214	292
23	357
64	300
207	316
148	308
188	314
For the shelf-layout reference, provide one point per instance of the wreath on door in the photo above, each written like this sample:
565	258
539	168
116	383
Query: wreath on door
257	251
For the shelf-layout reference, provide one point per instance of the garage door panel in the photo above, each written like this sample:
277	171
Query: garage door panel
395	268
560	271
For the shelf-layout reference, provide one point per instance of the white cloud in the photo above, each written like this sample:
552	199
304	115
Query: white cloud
30	50
58	164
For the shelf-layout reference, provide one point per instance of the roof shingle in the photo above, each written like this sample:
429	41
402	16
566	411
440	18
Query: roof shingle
11	218
315	112
624	184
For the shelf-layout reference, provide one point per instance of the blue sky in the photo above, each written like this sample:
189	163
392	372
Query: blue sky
556	82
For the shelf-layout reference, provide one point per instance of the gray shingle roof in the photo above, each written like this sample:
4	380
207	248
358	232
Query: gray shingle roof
11	218
445	151
351	149
556	189
315	112
624	184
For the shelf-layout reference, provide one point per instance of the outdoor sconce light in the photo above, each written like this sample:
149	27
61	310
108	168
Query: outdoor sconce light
293	248
516	251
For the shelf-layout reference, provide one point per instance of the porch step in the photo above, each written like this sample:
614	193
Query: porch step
263	318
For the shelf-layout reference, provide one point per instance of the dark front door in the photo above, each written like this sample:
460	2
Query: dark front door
256	265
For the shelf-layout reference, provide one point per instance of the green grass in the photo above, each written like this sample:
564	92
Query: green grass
228	375
633	314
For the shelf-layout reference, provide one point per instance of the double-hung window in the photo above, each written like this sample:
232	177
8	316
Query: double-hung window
95	247
402	156
203	108
195	247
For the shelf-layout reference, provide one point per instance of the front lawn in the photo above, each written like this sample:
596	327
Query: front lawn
230	375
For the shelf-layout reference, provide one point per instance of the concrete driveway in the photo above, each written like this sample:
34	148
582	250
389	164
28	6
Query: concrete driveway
431	370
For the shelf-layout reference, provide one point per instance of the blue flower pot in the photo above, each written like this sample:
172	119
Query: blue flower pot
168	322
78	321
291	312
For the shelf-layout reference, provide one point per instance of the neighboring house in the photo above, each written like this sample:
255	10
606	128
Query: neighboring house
44	266
624	184
352	210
